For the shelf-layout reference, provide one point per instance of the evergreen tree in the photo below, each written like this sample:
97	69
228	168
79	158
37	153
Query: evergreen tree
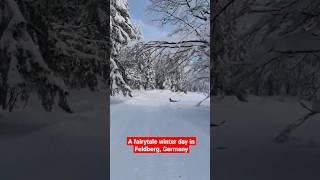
23	68
122	32
79	42
49	47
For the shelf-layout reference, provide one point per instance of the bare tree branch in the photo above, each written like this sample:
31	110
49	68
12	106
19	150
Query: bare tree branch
284	135
223	9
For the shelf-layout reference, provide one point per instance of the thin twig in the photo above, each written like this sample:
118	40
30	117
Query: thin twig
284	135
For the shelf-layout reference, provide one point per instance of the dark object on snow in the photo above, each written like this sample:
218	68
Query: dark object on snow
217	125
171	100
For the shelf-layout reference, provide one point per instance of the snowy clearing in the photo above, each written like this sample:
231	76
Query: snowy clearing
244	147
149	113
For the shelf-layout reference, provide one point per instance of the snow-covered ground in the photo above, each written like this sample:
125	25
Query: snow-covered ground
39	145
149	113
243	146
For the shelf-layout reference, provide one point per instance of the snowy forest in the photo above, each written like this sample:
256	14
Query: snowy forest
265	79
257	61
51	48
70	56
54	58
177	66
268	48
160	86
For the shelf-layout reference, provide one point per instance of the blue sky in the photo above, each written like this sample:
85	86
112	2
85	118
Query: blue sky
140	15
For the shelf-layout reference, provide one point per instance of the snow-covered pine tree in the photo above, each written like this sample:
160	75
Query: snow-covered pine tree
78	40
121	33
23	68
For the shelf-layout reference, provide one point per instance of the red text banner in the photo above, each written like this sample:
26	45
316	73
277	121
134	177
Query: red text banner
161	144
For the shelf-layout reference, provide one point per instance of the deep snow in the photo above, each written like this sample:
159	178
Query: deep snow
149	113
39	145
243	147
